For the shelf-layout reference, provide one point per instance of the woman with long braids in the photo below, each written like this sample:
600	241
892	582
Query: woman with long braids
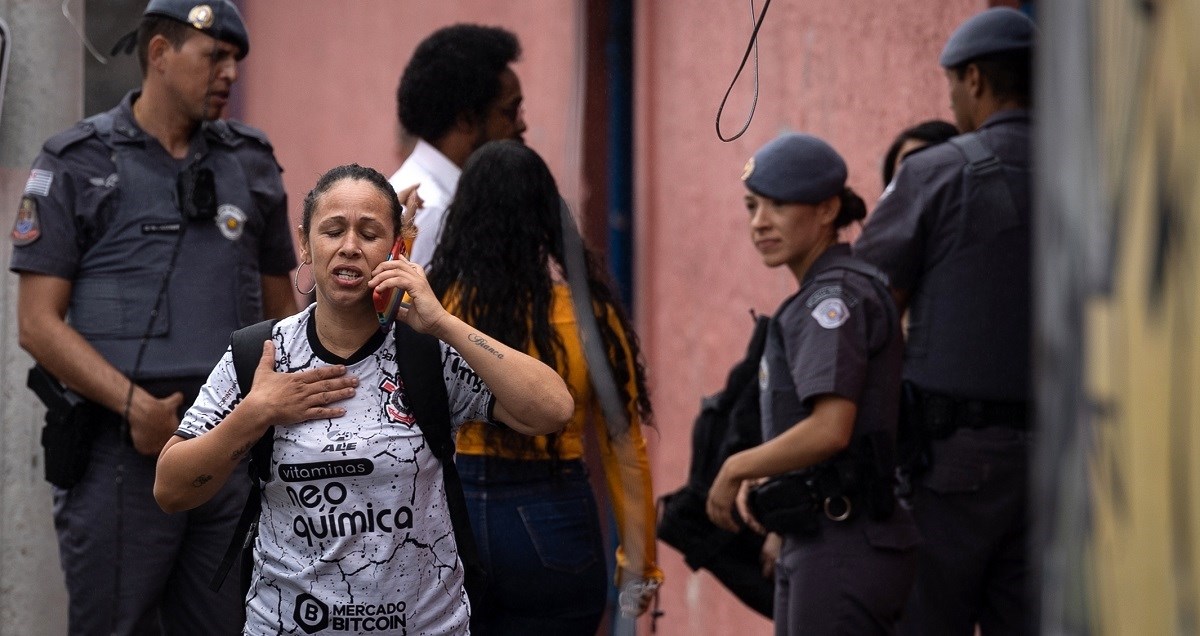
500	266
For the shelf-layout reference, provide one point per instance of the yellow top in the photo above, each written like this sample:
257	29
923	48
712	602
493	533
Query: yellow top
626	467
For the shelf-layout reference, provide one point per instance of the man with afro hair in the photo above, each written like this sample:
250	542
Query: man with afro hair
457	93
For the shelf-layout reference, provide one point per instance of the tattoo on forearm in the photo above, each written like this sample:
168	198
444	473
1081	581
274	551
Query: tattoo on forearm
482	343
201	480
237	454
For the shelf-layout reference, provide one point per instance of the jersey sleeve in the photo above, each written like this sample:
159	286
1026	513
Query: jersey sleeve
470	398
215	402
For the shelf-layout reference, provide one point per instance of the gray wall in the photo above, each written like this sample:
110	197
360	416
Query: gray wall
53	81
43	95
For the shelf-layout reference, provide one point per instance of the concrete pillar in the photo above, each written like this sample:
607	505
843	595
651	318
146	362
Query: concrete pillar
44	95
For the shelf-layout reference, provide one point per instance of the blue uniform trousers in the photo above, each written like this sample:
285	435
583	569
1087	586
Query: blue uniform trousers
971	508
839	583
132	569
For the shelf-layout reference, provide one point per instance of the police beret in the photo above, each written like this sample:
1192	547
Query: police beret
217	18
796	168
997	30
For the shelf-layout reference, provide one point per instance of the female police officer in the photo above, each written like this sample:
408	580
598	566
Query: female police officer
829	383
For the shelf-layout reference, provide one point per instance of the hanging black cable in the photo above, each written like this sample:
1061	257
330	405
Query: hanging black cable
752	47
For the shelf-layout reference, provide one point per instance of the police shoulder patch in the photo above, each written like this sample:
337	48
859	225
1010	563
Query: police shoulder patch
39	182
831	313
26	229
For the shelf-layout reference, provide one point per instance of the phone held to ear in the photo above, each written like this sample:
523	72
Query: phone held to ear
389	302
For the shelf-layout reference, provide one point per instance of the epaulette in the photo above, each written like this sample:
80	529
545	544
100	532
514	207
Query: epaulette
69	137
232	132
838	265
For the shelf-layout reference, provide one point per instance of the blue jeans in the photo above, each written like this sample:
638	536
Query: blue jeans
539	539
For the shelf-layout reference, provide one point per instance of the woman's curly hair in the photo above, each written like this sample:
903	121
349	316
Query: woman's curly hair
502	235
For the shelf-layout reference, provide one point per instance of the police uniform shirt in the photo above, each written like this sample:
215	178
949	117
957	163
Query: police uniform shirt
839	337
354	536
103	199
969	309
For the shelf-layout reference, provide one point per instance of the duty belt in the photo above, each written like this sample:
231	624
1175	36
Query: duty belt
793	503
944	414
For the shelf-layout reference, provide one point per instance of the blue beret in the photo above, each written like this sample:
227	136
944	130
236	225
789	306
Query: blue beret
997	30
796	168
217	18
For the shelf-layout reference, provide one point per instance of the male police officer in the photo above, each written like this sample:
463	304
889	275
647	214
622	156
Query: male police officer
953	234
156	230
457	93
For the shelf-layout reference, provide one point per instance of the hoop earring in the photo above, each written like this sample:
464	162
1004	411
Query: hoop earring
296	280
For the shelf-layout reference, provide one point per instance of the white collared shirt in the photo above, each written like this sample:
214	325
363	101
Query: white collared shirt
438	177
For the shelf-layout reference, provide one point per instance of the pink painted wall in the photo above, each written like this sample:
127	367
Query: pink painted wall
321	78
321	81
854	72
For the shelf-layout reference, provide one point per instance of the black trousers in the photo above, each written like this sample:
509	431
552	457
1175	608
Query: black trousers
972	510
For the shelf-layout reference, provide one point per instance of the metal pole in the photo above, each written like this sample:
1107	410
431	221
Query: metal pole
1069	245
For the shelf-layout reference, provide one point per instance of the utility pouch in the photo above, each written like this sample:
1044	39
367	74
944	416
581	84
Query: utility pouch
787	504
66	438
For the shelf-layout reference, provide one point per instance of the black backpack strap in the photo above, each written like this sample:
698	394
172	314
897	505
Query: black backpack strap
419	362
240	543
246	346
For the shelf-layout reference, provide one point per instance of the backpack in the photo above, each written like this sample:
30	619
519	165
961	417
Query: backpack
420	369
728	422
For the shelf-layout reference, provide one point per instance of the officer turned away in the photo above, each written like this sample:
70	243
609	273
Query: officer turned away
953	235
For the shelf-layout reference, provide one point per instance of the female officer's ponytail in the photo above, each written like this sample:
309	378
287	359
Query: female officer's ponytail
853	209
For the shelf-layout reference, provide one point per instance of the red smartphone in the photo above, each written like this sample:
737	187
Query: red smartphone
387	304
